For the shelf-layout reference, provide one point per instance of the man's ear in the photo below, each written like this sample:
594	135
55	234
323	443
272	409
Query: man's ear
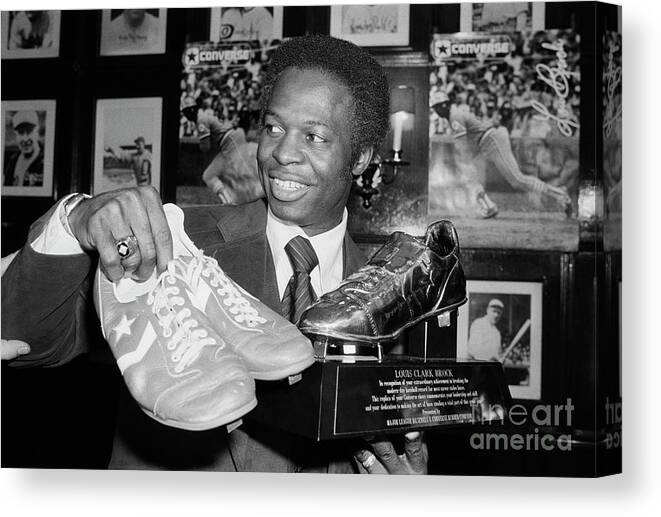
363	161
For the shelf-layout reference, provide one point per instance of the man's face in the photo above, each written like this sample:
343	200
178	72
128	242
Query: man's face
140	146
304	152
135	16
26	136
494	314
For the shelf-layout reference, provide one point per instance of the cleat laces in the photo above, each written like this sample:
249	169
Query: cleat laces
238	305
185	340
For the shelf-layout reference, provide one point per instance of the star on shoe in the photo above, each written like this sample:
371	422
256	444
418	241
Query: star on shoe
123	328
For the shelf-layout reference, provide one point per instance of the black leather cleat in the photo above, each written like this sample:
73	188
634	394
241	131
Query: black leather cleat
407	281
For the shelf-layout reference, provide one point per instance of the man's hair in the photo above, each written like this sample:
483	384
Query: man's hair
352	66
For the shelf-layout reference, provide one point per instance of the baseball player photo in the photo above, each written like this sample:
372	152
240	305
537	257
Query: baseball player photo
133	31
249	23
27	143
30	34
503	138
502	321
128	148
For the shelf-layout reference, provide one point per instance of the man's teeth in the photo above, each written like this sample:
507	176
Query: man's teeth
289	185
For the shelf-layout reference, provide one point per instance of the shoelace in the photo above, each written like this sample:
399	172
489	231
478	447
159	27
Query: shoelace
240	307
187	341
365	280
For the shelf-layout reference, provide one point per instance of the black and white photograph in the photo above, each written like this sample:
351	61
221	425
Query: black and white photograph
133	31
30	34
502	321
28	140
218	98
502	16
249	23
504	128
346	239
127	150
373	25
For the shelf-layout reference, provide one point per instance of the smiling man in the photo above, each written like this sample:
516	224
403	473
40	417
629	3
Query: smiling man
324	111
26	166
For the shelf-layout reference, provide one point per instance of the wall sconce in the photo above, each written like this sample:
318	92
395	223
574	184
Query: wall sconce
402	114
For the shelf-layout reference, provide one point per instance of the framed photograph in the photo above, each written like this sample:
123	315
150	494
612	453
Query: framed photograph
127	143
501	16
28	143
519	161
262	24
385	25
502	321
133	31
30	34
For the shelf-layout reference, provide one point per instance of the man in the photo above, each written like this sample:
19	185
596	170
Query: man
134	29
141	162
484	338
493	144
325	109
232	174
30	29
25	168
248	23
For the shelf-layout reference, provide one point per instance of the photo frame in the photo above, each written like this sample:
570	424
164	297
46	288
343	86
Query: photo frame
520	160
501	16
127	143
30	34
248	23
127	32
380	25
513	337
28	143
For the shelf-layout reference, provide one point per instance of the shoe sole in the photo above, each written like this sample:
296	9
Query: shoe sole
387	337
218	422
283	373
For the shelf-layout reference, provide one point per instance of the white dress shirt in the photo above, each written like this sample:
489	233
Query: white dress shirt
328	246
54	238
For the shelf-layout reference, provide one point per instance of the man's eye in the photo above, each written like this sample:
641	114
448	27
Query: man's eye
315	139
273	130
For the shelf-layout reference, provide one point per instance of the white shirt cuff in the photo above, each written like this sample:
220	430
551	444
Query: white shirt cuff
54	239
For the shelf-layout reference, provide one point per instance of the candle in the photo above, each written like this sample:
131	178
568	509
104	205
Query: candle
397	126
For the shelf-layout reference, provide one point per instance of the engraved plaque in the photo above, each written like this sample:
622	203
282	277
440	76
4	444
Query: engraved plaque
336	399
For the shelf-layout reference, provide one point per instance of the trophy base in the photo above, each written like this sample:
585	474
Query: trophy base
340	397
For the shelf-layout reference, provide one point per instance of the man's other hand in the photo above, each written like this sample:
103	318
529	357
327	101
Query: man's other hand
12	348
382	458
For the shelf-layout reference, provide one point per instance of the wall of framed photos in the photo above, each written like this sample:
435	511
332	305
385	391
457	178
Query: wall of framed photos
87	84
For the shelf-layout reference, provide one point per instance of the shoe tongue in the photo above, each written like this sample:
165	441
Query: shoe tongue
398	252
181	243
127	289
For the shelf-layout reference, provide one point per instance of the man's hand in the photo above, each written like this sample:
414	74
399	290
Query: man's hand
12	348
98	223
382	458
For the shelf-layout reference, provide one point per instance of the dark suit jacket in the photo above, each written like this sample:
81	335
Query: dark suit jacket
46	302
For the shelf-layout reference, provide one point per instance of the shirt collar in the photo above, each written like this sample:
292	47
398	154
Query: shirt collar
327	246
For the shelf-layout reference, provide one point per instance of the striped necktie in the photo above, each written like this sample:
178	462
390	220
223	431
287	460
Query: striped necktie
299	293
